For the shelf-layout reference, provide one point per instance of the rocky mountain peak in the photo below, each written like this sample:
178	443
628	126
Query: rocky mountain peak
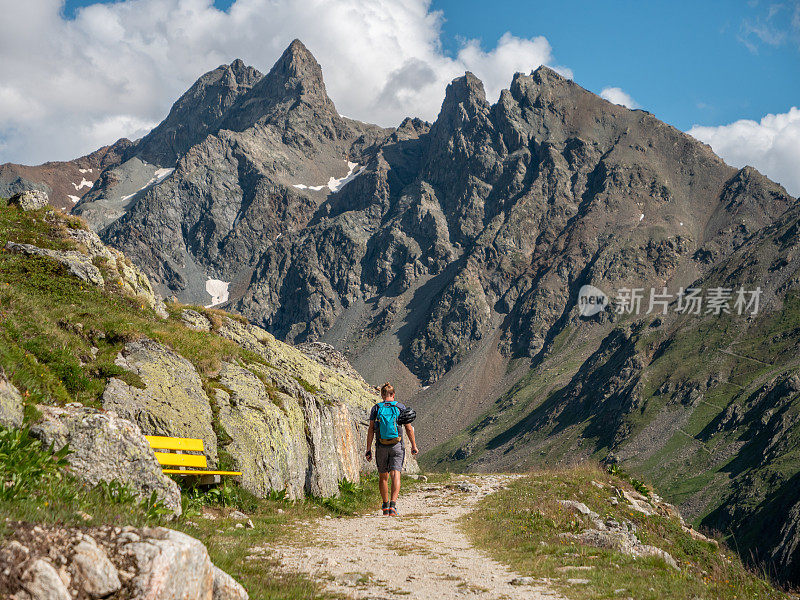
295	78
197	113
464	93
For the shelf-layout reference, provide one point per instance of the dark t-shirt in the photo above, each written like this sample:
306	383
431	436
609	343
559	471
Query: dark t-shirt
373	416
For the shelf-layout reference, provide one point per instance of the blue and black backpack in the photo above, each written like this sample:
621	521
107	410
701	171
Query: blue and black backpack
387	423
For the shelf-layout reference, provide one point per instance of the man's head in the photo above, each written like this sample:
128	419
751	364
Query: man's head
387	391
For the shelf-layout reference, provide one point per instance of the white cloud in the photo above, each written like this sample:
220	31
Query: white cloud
771	145
618	96
68	86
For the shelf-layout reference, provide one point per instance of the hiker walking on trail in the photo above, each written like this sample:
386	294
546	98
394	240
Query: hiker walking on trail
385	420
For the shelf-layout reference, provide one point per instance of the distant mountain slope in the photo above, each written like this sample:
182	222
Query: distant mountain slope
65	182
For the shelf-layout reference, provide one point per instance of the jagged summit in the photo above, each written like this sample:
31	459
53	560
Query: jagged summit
296	78
196	113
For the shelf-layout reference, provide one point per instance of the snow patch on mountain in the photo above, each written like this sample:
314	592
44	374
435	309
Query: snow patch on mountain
73	198
218	290
159	176
83	183
334	185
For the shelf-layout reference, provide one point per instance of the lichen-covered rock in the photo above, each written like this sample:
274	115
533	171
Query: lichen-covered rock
172	403
105	447
354	391
11	406
284	437
78	263
194	320
30	199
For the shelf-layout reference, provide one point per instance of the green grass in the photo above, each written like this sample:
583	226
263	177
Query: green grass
521	527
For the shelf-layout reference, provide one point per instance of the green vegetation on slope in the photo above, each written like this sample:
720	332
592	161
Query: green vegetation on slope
59	336
522	526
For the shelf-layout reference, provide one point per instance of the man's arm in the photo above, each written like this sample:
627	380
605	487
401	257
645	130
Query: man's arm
411	438
370	436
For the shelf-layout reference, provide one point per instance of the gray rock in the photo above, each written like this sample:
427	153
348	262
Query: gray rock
12	409
226	587
42	582
92	570
621	540
467	486
170	565
579	507
30	199
105	447
194	320
523	581
78	264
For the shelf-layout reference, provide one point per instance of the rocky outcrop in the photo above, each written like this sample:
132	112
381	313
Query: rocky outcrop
83	264
57	563
30	199
173	402
79	264
283	436
12	409
105	447
614	535
121	271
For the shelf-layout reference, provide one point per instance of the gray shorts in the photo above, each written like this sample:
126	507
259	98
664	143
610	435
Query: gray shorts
389	458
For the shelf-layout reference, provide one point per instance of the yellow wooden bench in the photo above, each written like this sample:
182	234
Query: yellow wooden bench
180	463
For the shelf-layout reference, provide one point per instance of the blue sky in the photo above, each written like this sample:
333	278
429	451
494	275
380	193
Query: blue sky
688	62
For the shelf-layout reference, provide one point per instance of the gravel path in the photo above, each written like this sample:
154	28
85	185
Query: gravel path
421	554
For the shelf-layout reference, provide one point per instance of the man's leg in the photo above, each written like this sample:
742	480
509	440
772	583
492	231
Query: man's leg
395	475
383	485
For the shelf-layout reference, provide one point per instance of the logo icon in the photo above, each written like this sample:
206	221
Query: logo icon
591	301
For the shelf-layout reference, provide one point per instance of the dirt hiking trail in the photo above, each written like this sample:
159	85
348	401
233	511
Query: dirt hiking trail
420	555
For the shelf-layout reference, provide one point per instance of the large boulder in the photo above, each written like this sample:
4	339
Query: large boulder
11	406
172	403
30	199
105	447
170	564
285	437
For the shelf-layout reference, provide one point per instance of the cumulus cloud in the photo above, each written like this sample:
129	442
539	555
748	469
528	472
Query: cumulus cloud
70	85
618	96
771	145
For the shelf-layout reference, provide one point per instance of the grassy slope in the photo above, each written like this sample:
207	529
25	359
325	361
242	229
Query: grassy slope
521	525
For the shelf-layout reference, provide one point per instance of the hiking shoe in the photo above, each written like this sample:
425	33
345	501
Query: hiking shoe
385	511
391	511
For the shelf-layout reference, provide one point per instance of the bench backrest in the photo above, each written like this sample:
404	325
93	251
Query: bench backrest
181	445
